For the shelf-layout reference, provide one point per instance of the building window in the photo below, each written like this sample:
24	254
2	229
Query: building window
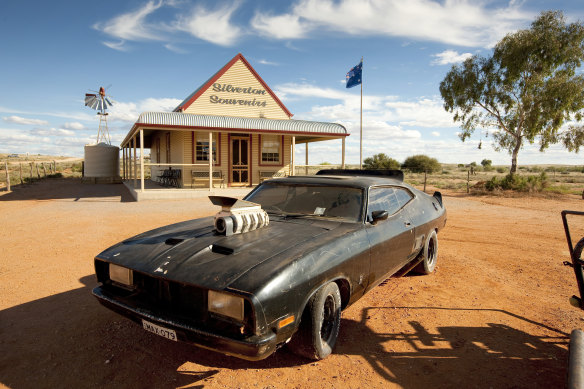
167	147
271	149
202	147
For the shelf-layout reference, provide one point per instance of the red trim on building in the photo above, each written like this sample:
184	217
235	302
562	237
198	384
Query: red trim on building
260	163
238	130
217	75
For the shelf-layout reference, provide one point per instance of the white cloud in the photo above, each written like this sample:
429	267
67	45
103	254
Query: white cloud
119	46
73	126
435	133
175	49
287	26
132	25
266	62
25	121
449	56
459	22
66	115
52	132
211	25
130	111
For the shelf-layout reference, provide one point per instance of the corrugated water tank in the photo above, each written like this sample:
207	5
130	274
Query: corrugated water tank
102	160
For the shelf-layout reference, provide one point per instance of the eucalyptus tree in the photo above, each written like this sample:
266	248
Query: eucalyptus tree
530	90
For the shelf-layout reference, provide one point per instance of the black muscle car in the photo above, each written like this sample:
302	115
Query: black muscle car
252	279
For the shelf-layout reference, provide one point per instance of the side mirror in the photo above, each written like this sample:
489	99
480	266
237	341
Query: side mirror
378	215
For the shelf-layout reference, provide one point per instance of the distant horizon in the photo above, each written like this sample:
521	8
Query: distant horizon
4	157
150	55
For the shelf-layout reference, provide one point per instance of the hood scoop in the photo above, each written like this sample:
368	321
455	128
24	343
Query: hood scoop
173	241
238	216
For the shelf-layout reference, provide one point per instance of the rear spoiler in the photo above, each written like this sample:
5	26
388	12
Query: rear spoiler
395	174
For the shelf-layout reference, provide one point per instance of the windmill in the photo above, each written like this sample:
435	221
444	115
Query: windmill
100	102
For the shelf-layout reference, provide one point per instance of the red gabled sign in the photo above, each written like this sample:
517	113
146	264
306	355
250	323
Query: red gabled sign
203	88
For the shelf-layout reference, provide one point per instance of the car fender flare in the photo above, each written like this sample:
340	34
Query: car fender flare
345	288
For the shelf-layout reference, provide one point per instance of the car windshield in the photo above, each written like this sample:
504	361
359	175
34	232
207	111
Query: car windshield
310	200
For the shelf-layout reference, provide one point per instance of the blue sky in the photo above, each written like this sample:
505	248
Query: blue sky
155	53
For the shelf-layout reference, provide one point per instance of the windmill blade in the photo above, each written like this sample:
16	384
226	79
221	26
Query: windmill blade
108	101
89	99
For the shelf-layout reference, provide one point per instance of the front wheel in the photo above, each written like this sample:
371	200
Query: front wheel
319	325
429	254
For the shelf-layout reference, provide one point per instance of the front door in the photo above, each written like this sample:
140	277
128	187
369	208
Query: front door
240	161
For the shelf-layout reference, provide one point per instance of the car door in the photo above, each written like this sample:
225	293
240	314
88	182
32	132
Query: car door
391	240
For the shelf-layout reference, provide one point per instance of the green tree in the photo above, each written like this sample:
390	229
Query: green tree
487	163
380	161
422	163
527	91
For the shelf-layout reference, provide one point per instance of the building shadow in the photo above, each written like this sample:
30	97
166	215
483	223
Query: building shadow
68	189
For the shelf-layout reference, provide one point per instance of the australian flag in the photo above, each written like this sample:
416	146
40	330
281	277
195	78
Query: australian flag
354	75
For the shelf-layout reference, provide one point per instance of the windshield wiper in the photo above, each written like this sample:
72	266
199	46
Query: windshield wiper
286	215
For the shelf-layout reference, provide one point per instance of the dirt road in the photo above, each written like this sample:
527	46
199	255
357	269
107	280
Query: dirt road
495	313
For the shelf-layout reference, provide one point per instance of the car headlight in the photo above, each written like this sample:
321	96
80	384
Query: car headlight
121	274
226	305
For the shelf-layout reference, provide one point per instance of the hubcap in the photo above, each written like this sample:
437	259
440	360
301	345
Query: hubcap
328	319
431	252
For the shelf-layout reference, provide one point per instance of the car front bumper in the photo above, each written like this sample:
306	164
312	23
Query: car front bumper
251	348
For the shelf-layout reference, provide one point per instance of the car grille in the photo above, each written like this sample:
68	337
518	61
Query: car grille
176	302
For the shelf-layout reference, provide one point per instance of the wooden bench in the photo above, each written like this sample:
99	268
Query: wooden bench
267	174
203	176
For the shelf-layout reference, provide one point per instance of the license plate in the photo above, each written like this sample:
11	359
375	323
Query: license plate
158	330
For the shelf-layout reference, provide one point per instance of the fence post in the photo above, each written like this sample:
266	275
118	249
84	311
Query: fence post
38	172
44	170
468	182
425	179
31	179
21	181
7	176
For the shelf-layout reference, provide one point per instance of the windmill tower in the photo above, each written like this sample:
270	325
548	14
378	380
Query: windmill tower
102	160
100	102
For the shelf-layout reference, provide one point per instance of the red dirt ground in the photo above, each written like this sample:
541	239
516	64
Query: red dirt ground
494	314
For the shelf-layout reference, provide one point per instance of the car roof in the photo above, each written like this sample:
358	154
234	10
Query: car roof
352	181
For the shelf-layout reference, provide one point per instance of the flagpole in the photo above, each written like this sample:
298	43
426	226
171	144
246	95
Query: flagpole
361	122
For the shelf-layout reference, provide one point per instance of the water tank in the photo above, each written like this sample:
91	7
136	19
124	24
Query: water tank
102	160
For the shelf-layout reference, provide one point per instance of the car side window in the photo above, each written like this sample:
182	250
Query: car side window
388	199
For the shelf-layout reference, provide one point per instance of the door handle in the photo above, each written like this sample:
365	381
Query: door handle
407	224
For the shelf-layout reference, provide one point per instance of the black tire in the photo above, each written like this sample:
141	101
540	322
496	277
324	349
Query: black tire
429	254
578	270
319	325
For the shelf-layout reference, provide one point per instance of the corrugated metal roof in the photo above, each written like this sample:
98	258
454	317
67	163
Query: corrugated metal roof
180	119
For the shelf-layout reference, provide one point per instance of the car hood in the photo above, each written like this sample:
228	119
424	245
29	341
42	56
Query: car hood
191	252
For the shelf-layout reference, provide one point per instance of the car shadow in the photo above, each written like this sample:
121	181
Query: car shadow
68	189
490	355
69	340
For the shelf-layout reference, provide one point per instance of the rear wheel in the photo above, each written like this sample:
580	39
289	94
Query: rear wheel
429	254
319	325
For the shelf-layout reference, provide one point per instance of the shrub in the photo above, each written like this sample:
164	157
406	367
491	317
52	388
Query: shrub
77	167
381	161
501	170
422	163
518	183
